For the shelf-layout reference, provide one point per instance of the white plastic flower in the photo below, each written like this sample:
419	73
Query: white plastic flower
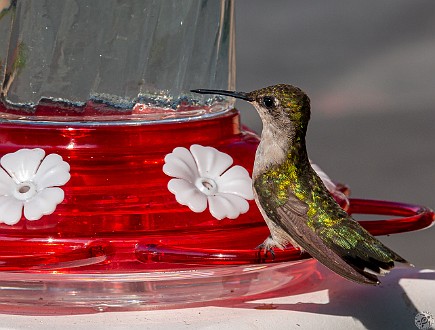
30	181
203	176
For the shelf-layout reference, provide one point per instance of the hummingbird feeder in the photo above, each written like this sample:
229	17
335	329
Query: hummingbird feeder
119	188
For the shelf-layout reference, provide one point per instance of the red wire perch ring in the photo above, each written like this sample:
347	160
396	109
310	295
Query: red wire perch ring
409	218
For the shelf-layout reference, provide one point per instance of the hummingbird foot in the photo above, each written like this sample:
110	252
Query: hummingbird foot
268	245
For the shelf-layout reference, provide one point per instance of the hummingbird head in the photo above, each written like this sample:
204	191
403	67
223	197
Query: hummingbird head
283	107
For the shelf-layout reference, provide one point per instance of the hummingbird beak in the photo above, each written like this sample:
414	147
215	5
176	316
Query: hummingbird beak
237	95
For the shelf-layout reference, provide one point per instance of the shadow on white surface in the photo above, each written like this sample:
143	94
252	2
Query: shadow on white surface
391	305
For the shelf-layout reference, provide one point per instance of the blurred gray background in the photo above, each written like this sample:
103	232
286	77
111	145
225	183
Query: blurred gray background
369	69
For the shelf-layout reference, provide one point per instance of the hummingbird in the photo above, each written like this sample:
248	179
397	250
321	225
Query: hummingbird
296	206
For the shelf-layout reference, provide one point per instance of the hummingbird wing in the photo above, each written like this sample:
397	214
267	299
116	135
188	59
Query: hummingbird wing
323	229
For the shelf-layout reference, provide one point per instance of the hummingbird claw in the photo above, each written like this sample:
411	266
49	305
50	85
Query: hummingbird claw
267	246
271	251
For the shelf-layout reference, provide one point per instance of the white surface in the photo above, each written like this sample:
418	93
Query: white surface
332	303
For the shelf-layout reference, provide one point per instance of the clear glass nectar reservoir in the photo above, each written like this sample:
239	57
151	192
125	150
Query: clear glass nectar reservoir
74	59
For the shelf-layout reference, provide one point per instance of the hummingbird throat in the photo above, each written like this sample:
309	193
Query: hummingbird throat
278	146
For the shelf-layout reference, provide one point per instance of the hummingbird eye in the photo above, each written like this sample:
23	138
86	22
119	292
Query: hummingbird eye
268	101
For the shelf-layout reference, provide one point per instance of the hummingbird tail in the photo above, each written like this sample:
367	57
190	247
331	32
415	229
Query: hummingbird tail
369	257
344	247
